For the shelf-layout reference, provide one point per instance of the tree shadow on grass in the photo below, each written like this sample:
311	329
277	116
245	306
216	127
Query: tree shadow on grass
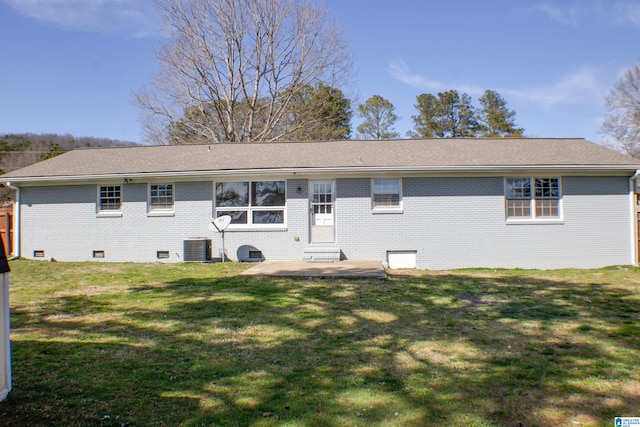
454	349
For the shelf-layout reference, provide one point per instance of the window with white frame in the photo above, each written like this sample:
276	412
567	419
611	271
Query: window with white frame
251	203
385	193
533	198
109	198
160	197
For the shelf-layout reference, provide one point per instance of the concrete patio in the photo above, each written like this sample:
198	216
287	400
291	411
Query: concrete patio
347	268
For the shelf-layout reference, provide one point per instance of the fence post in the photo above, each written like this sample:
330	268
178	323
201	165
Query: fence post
6	228
9	242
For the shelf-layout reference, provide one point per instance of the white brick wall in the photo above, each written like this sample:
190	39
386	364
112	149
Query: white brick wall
62	221
71	230
449	222
460	223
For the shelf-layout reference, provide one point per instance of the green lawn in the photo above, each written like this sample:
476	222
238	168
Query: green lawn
99	344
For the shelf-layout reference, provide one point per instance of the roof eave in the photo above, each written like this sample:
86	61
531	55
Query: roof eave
356	170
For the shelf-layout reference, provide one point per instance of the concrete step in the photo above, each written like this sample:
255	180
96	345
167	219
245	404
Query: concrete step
321	253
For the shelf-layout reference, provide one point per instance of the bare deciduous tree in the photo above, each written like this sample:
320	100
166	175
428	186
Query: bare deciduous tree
236	66
623	120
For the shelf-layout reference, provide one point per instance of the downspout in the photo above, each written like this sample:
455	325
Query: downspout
16	222
634	218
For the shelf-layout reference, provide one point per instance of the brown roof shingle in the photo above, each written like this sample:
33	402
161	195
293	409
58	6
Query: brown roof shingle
435	154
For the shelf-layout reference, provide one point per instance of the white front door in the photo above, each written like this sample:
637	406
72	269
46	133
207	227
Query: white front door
322	210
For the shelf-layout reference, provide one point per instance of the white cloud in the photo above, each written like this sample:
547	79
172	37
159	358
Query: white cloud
581	86
400	71
616	12
565	16
626	12
134	18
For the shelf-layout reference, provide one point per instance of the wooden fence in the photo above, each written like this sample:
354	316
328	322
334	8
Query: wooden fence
6	227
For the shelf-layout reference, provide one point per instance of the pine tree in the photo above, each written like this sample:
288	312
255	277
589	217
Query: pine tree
449	115
494	118
379	118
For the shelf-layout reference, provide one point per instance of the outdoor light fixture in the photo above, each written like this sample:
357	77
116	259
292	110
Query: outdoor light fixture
299	190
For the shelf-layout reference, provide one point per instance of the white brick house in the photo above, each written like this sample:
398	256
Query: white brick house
435	204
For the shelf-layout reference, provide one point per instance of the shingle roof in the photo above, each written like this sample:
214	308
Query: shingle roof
429	154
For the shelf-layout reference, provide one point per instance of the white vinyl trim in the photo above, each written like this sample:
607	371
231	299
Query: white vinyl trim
634	232
17	224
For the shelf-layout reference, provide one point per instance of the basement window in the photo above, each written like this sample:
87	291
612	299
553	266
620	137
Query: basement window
255	254
98	254
38	253
162	254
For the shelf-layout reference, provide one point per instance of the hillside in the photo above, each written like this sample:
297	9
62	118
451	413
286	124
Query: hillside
20	150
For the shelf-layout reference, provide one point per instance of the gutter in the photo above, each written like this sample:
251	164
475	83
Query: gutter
17	223
343	170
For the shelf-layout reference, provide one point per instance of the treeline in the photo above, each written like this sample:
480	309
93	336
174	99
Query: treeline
20	150
24	149
313	113
448	114
324	113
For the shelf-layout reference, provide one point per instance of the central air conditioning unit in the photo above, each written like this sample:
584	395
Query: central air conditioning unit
197	249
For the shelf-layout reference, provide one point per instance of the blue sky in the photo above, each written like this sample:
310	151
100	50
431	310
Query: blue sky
70	66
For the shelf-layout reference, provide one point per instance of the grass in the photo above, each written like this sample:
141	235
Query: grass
197	345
